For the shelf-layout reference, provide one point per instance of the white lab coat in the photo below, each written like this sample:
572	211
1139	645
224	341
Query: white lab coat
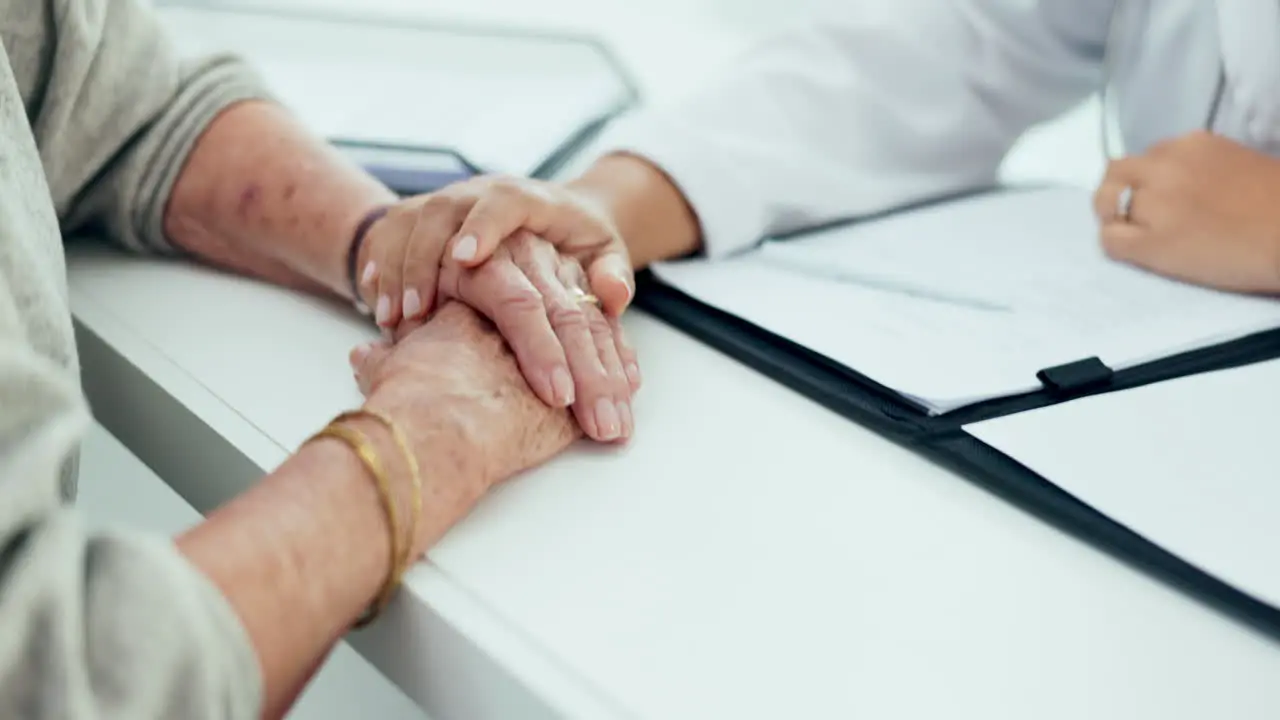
894	101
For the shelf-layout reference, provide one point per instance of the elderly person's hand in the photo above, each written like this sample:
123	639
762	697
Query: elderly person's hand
326	536
452	383
1200	208
535	297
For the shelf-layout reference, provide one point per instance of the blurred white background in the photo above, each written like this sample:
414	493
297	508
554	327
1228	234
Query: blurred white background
672	46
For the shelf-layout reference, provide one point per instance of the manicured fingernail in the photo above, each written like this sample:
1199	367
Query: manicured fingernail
412	303
383	313
370	269
465	249
633	374
607	419
628	422
562	387
626	284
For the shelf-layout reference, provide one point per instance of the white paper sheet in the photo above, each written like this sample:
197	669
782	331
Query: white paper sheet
1190	464
958	303
504	102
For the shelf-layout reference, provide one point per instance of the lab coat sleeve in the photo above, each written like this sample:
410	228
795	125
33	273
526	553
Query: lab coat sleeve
889	103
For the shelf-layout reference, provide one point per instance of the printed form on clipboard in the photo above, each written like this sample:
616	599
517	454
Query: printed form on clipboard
965	301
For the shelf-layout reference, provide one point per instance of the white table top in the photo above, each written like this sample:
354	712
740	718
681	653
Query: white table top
750	555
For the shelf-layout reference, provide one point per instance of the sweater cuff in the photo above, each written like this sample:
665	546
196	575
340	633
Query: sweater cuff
214	85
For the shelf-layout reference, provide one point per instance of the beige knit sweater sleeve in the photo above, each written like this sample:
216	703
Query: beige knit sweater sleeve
96	117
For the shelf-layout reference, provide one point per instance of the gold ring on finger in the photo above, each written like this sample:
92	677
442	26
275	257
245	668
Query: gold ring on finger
583	297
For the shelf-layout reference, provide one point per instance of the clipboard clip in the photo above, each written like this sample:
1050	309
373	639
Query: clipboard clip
1076	377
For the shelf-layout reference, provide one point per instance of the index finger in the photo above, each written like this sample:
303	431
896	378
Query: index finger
498	212
506	206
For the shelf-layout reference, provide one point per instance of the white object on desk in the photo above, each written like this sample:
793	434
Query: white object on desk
968	300
1190	464
757	557
505	102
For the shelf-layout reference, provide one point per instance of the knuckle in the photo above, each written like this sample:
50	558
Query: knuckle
498	271
599	325
551	203
1130	169
436	203
1164	147
1199	136
567	317
519	301
505	187
570	265
523	240
545	193
389	272
625	350
594	380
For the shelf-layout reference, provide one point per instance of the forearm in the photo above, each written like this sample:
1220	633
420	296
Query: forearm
261	195
302	554
298	557
652	215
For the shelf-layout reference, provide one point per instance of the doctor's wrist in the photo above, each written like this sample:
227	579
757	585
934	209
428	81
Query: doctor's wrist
646	205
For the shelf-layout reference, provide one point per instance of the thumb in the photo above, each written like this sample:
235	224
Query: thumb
365	361
612	280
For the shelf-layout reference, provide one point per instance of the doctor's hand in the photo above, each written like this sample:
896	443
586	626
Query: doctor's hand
570	351
400	260
1201	208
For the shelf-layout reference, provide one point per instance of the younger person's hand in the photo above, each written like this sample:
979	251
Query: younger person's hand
1201	208
398	265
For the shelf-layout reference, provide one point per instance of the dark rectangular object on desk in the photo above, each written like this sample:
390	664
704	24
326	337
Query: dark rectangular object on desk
416	85
409	170
942	438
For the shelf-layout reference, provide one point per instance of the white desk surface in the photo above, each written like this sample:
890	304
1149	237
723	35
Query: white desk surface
750	555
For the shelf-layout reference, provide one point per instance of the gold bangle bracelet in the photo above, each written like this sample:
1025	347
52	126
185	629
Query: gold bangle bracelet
364	449
415	477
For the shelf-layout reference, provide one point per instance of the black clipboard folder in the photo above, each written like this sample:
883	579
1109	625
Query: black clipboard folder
942	438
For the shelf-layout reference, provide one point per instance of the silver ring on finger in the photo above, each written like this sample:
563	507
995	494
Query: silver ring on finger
1124	203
